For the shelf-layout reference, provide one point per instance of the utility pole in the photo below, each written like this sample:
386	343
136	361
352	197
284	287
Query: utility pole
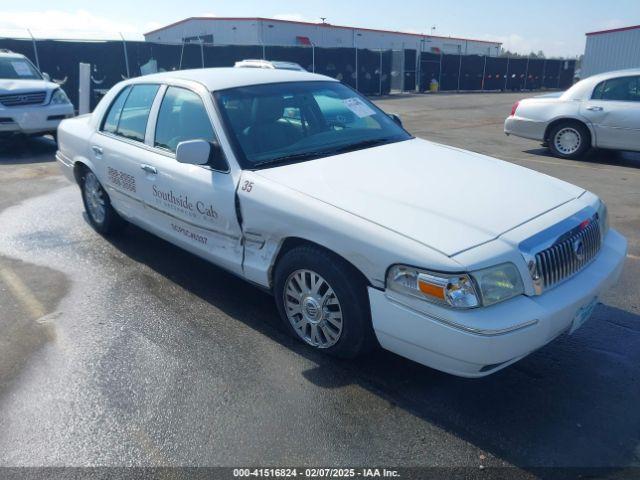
35	49
126	55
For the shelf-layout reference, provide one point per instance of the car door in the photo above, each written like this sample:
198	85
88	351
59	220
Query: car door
118	149
614	111
191	205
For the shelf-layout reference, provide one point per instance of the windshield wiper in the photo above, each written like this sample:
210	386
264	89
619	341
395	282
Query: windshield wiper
374	142
292	158
325	153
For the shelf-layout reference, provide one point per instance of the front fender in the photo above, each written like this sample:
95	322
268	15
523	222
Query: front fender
271	213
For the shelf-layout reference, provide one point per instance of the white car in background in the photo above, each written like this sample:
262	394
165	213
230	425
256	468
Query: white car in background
269	64
363	233
601	111
30	104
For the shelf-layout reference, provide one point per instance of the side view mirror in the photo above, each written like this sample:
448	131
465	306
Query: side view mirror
46	76
396	118
201	152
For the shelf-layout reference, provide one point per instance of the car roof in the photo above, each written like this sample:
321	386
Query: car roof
616	73
584	88
223	78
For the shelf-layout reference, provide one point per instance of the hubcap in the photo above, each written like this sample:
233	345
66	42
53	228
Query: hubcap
313	309
94	195
567	140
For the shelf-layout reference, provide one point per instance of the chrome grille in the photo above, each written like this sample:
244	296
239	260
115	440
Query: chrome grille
568	255
19	99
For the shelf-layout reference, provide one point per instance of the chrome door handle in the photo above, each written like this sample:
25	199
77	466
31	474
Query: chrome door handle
97	150
149	169
595	109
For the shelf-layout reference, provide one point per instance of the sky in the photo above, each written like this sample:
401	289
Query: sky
557	27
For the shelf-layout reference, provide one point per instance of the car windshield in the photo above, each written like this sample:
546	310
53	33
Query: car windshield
275	124
16	68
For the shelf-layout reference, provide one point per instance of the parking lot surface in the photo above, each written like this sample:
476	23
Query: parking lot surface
132	352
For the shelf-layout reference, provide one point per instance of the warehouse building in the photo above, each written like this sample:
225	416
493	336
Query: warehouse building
609	50
265	31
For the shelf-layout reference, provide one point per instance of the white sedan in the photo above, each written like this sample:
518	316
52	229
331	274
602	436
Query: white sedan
601	111
363	233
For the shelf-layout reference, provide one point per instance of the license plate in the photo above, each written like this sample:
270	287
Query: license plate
583	315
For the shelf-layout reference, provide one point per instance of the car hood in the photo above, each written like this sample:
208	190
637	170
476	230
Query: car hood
19	86
443	197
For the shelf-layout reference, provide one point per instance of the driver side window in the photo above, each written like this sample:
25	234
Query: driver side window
182	117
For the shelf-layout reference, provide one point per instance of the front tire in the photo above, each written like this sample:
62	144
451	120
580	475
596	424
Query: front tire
569	140
323	302
102	216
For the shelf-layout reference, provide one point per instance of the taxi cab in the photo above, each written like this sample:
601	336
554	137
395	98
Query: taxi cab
364	234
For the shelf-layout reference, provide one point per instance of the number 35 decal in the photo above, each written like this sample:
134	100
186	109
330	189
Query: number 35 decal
247	186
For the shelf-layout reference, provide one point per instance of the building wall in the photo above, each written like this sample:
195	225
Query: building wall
611	51
273	32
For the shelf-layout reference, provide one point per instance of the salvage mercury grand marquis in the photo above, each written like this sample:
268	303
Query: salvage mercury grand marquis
364	234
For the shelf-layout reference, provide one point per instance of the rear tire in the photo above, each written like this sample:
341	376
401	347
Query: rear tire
569	140
102	216
323	302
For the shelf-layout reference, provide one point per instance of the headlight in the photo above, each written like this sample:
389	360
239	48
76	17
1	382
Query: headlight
59	97
453	290
603	219
499	283
483	287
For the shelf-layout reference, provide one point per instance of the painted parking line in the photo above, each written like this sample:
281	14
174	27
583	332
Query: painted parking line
633	257
22	293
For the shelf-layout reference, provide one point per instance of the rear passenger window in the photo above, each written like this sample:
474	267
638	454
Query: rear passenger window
111	120
624	89
135	112
182	117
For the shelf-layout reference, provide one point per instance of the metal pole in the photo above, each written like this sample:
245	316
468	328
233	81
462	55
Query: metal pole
313	56
355	45
559	72
440	72
506	77
380	73
202	52
484	72
181	54
459	71
416	77
403	62
35	49
126	56
544	72
526	74
418	66
262	40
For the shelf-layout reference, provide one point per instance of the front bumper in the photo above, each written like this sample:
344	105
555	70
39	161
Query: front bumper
66	166
525	128
33	119
478	342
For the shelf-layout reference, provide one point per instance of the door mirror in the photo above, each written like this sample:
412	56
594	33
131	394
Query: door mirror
396	118
46	76
201	152
193	152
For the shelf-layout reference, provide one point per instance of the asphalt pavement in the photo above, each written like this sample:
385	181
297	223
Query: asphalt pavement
130	352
